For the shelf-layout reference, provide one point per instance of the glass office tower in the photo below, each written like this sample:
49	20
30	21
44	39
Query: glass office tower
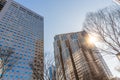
22	30
77	59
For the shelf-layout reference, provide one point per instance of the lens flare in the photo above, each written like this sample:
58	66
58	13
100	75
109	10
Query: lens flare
92	39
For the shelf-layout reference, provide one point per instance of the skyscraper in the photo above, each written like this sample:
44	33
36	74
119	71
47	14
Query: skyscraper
22	30
76	59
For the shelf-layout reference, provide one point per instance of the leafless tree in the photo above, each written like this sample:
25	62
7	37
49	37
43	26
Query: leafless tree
105	24
38	76
44	74
48	62
8	59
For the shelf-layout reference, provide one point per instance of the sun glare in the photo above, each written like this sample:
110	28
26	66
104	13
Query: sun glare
92	39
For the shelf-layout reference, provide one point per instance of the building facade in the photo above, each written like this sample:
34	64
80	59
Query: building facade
22	30
77	59
52	72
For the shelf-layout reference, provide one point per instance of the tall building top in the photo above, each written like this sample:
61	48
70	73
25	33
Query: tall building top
68	33
25	8
35	20
21	7
72	33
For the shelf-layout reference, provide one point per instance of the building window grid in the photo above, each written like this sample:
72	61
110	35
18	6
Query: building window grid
13	24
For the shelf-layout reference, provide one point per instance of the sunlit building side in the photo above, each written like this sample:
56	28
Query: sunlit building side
77	59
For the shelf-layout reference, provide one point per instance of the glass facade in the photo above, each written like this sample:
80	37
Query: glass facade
75	60
20	29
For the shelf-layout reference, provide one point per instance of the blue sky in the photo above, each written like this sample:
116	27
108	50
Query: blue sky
63	16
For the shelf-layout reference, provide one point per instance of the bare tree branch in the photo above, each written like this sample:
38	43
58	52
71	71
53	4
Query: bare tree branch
8	59
105	24
47	64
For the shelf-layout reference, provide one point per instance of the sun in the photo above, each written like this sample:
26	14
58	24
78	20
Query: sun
92	39
95	40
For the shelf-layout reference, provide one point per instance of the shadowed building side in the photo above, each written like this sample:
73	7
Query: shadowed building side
38	63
